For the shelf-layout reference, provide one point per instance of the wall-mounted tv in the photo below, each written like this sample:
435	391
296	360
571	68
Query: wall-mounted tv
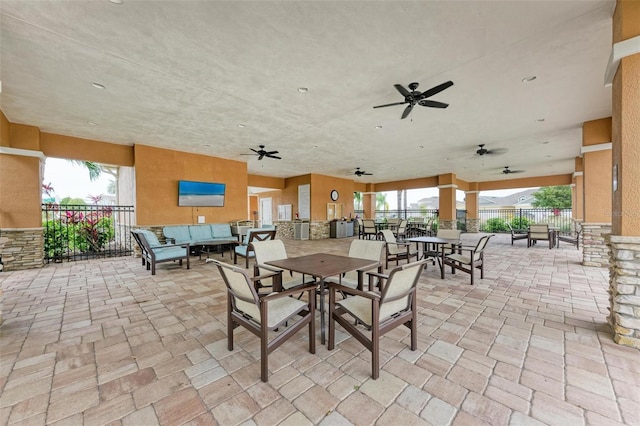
200	194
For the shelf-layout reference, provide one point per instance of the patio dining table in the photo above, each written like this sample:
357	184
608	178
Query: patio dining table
440	247
322	266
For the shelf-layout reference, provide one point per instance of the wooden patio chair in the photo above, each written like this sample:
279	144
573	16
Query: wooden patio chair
378	313
264	314
468	263
396	250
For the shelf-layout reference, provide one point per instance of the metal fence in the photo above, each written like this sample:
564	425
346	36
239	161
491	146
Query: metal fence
496	220
491	220
78	232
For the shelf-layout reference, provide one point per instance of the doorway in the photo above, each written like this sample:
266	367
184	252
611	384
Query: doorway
266	212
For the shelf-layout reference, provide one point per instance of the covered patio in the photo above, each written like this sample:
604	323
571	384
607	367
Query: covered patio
104	342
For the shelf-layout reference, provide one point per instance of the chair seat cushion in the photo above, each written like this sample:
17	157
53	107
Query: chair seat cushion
170	253
242	251
279	310
345	282
460	258
360	307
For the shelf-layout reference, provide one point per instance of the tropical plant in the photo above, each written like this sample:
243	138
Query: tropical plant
357	200
495	224
519	222
558	197
381	201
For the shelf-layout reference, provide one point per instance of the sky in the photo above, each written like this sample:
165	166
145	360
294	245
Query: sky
71	180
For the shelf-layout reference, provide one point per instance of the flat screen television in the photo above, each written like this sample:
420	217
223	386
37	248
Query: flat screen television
200	194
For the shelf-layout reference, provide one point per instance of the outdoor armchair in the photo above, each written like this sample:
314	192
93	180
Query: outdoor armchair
396	250
245	249
270	250
539	232
468	258
517	234
361	249
261	315
154	252
376	312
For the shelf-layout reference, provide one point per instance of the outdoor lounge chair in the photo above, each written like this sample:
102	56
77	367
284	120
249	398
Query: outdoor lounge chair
539	232
153	252
517	234
468	263
263	314
395	250
377	312
572	239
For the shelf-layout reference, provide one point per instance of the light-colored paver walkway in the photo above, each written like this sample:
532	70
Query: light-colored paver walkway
104	342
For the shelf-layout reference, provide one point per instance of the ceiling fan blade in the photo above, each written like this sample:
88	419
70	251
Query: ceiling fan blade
257	152
497	151
367	174
404	92
261	157
407	111
386	105
432	104
274	156
272	152
437	89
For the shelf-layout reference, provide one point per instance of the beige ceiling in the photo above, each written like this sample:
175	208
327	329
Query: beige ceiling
184	74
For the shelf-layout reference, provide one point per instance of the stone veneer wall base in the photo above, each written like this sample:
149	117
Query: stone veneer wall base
624	289
24	248
447	224
594	247
473	225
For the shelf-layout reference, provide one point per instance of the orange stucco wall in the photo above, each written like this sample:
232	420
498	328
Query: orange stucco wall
158	172
266	182
525	182
68	147
4	130
321	187
425	182
596	131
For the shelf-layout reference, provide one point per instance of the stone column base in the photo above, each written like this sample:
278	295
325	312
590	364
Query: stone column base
624	289
594	248
473	225
447	224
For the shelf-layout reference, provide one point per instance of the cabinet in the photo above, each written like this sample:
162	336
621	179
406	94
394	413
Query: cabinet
301	231
340	229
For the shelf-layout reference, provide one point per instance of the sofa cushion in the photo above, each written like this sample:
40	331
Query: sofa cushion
200	233
221	231
170	253
180	234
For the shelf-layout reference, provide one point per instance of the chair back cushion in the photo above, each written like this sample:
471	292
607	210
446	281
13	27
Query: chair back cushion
453	234
150	238
200	233
221	230
388	236
269	250
180	234
369	225
402	227
539	231
364	249
396	292
482	244
243	295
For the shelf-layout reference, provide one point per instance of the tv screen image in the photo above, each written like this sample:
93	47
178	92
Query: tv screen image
200	194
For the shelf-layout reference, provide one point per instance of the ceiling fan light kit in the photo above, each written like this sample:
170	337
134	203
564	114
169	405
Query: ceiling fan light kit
414	97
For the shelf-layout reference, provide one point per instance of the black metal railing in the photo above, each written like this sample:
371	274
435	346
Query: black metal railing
78	232
496	220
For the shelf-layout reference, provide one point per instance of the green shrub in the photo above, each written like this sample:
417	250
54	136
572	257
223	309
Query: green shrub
495	224
519	222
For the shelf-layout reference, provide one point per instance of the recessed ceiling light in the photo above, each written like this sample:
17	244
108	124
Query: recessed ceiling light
97	85
528	79
315	146
548	156
241	125
421	146
207	146
539	120
378	127
303	89
117	1
545	142
92	123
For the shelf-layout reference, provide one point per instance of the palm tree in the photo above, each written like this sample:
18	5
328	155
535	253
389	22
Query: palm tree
381	201
357	200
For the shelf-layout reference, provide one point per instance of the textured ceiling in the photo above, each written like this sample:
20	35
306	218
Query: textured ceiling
184	74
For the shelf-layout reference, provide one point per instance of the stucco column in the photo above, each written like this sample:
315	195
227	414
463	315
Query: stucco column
577	191
447	201
624	241
21	167
596	162
369	204
472	207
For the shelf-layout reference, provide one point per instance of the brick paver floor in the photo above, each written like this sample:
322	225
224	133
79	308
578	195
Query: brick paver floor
104	342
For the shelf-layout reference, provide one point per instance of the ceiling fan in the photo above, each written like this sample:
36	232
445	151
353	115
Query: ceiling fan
359	172
484	151
262	153
414	97
508	171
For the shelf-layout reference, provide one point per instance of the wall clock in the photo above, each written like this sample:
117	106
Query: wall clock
334	195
